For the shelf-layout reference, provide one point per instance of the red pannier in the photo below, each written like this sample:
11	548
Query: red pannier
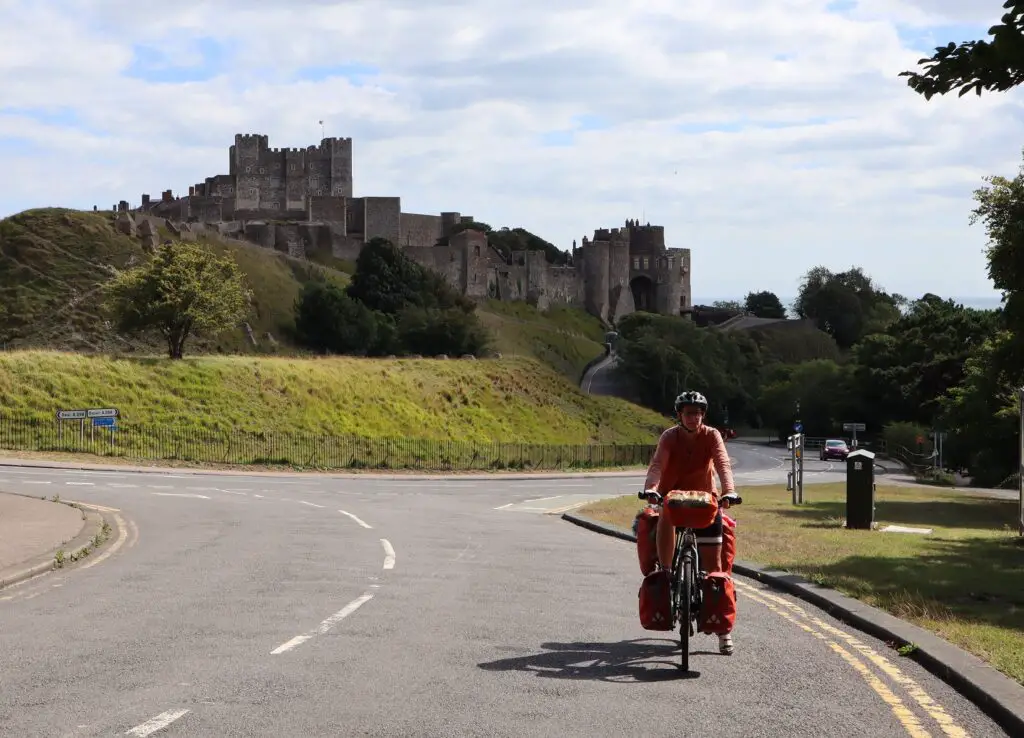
690	509
656	601
718	610
645	528
728	542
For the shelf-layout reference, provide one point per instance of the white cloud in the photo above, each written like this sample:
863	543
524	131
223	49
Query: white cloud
766	135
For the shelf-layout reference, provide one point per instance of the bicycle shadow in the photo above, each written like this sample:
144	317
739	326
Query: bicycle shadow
643	660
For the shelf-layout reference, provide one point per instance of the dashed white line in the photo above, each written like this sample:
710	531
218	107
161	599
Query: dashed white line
325	626
37	482
160	722
181	494
233	492
505	506
311	504
361	522
389	553
80	484
124	486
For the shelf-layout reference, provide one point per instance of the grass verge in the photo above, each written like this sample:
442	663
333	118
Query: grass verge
323	413
964	581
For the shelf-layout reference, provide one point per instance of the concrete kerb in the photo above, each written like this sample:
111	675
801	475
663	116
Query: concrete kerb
998	696
412	476
46	562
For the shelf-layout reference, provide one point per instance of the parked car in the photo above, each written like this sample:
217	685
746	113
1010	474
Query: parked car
834	448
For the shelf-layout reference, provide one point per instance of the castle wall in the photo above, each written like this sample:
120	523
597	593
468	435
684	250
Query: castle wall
620	298
355	217
596	258
646	239
245	164
563	286
420	230
472	248
383	218
329	208
341	166
511	283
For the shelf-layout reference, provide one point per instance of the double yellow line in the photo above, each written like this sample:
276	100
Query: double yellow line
834	637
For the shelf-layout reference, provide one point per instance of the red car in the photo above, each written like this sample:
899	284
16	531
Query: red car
834	449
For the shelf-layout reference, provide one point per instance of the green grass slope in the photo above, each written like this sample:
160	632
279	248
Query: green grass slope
508	400
563	338
53	261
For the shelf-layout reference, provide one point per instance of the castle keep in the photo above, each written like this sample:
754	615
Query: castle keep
302	201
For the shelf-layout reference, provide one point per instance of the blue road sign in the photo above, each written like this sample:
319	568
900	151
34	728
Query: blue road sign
104	422
798	427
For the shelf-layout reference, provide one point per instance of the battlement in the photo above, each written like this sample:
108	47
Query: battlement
252	138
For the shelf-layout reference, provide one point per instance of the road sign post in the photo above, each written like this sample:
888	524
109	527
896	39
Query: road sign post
795	478
1020	468
854	427
102	417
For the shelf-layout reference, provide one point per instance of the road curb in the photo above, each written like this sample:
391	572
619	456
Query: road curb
995	694
412	476
44	563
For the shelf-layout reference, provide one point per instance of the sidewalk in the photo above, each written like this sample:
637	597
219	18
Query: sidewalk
31	528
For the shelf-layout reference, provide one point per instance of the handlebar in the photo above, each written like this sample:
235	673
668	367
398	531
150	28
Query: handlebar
651	495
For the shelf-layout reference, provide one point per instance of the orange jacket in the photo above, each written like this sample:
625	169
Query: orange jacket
686	461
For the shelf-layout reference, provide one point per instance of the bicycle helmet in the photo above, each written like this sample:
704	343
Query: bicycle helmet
691	397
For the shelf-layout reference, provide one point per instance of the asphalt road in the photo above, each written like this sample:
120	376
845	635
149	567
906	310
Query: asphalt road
316	606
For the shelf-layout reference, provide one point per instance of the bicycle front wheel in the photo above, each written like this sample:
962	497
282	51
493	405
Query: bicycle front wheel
685	603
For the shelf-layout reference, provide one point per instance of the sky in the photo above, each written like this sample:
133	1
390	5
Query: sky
768	136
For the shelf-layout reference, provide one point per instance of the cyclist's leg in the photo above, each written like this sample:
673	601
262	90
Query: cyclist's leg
666	541
709	545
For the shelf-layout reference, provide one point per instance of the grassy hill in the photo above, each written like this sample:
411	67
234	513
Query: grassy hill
53	260
514	400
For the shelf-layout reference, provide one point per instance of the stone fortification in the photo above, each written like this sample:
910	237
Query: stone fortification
302	200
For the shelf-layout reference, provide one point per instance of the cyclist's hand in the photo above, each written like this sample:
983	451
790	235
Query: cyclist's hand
724	502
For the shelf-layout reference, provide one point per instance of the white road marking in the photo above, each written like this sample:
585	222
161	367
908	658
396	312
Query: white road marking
362	523
311	504
181	494
160	722
325	626
124	486
259	496
233	492
80	484
505	506
160	486
37	482
541	499
122	536
389	554
94	506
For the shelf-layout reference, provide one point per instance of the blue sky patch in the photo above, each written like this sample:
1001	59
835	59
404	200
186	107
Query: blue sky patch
152	64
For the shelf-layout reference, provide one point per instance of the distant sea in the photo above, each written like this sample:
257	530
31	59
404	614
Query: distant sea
979	303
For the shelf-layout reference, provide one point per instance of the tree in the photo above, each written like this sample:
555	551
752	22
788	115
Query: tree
903	373
1001	208
387	280
824	390
728	305
996	65
846	305
765	305
433	332
184	290
328	320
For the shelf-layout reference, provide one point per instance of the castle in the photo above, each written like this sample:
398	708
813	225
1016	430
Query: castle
301	201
